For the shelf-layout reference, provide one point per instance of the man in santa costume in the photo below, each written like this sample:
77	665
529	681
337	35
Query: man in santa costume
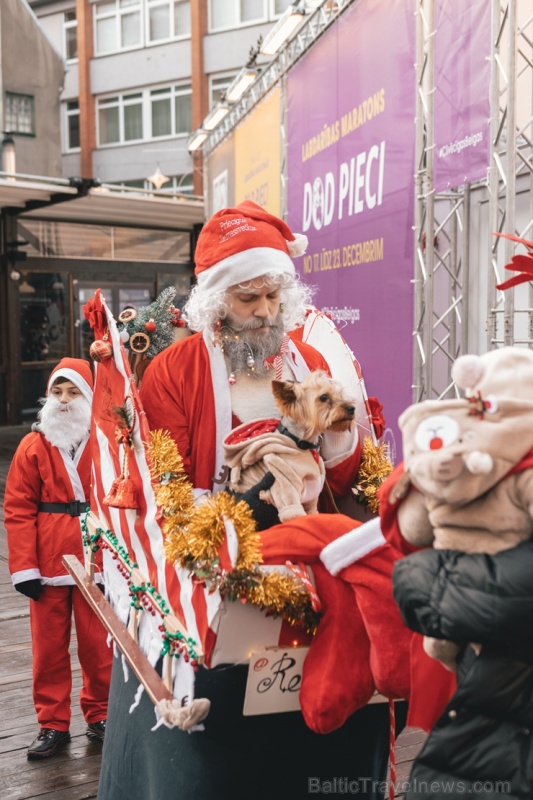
46	494
245	308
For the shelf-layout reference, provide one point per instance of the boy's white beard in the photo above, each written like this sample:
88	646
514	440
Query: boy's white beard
64	424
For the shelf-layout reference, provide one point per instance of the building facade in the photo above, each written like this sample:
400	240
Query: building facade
141	75
30	93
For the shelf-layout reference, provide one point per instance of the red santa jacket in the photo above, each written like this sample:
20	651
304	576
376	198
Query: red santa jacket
37	540
178	393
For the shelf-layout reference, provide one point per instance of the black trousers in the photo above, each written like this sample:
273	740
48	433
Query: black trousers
268	757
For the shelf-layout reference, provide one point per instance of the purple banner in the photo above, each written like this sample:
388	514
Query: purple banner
462	97
351	110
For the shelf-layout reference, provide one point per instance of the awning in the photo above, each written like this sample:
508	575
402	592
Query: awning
102	205
18	192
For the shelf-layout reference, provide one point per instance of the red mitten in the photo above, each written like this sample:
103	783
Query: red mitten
390	494
336	677
364	560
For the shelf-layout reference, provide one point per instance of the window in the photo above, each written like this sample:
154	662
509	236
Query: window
161	102
20	114
179	183
218	87
168	19
133	121
120	119
280	6
233	13
44	310
109	120
176	183
125	24
182	104
117	25
72	112
70	28
146	115
171	111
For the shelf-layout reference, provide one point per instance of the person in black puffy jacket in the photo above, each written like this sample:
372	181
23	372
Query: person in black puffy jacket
482	745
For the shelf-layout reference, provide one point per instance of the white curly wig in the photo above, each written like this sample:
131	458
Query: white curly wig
205	307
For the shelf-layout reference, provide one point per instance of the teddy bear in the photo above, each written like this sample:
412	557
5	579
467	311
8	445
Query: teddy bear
469	463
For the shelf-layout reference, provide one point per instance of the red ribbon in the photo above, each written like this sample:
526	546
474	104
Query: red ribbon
94	312
522	263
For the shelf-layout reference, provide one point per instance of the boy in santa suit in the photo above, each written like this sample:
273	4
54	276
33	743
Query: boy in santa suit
46	493
245	307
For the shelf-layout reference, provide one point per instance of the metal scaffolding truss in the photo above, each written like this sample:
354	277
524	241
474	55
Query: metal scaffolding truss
510	313
442	220
314	26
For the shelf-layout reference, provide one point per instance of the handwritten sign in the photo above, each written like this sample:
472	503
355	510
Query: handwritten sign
274	680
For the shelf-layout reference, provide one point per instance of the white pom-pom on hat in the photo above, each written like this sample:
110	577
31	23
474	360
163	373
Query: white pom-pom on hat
467	371
298	246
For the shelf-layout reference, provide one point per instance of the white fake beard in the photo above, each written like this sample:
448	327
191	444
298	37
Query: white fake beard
64	424
249	343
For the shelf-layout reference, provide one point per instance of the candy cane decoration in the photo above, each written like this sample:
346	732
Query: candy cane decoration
301	572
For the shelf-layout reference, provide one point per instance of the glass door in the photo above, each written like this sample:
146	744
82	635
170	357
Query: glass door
117	299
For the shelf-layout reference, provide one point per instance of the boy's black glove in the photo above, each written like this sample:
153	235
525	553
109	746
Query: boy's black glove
32	589
264	514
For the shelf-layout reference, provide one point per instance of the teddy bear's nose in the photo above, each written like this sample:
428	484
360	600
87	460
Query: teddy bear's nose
435	443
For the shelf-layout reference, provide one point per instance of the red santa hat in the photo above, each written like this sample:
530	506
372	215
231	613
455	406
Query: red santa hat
242	243
78	372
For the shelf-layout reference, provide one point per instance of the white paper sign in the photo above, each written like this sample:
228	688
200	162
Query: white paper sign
274	680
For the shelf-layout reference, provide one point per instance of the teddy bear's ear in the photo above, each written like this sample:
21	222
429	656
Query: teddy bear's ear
467	371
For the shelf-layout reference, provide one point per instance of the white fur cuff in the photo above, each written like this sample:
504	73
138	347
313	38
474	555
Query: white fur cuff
352	546
337	447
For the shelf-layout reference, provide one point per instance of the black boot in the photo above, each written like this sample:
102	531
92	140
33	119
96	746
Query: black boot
96	730
48	742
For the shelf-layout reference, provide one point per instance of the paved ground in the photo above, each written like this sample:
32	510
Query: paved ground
72	774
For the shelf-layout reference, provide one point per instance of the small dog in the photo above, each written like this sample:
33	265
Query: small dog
289	449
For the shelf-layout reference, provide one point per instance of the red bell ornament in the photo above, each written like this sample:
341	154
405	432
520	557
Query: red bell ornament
101	350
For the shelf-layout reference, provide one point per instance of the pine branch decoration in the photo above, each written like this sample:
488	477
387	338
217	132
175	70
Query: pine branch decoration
156	321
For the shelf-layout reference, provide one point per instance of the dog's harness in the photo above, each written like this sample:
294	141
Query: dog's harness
301	443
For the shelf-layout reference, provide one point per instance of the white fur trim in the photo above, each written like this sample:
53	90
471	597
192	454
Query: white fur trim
245	266
337	447
221	390
352	546
26	575
75	378
74	475
298	246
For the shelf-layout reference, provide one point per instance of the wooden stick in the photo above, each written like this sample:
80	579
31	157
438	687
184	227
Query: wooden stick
131	651
170	621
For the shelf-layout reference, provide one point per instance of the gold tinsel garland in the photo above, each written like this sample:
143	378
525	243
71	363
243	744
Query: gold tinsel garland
374	467
194	534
